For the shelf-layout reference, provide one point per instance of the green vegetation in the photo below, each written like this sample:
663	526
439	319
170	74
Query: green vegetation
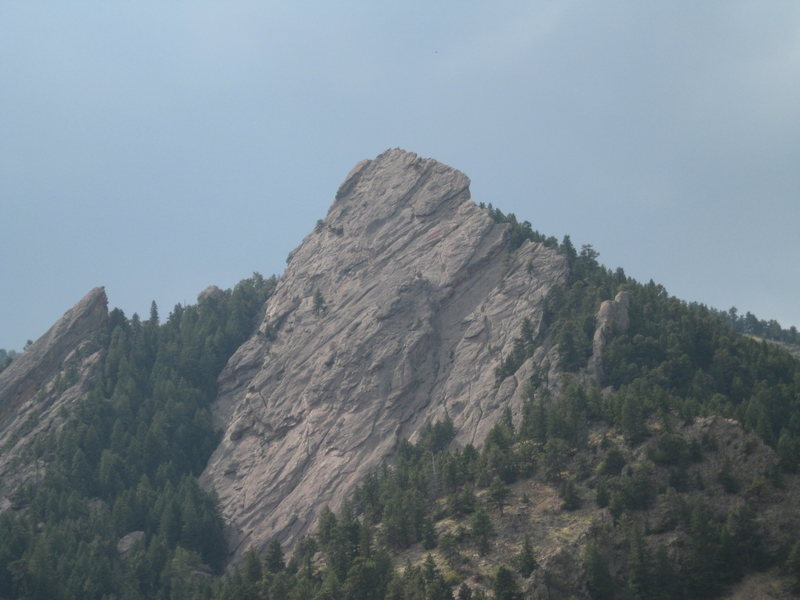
752	325
676	361
127	461
6	357
319	303
520	232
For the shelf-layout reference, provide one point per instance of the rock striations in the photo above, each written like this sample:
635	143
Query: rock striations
393	312
48	377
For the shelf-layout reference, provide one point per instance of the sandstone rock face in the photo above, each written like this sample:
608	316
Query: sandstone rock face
51	374
612	318
394	311
127	543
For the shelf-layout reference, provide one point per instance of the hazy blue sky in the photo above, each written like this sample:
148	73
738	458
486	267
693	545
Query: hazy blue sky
159	147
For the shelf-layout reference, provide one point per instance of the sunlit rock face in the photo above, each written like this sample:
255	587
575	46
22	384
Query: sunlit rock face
394	311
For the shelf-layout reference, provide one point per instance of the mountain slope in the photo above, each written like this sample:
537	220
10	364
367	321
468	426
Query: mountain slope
392	313
43	384
110	505
573	433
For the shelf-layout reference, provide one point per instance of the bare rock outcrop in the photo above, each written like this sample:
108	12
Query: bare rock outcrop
50	375
394	311
211	291
611	319
128	543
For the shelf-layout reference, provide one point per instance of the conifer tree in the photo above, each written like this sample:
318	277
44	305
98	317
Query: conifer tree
598	579
792	567
482	530
505	585
526	561
273	561
499	492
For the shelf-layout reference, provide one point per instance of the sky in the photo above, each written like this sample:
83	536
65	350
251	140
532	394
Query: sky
156	148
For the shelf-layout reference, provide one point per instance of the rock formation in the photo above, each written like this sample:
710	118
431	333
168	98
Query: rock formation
612	318
393	312
128	543
50	375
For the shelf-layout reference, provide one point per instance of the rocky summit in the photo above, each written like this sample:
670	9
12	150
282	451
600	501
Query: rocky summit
393	312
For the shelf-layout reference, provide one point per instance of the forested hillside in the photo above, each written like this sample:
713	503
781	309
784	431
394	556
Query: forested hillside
670	472
127	461
750	324
658	492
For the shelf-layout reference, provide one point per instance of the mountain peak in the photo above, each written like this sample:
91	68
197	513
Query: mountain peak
392	312
398	176
83	319
397	205
47	378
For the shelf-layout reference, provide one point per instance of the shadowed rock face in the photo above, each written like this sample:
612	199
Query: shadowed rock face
394	311
50	375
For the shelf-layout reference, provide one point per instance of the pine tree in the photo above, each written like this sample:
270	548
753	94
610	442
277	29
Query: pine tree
153	313
570	500
251	567
639	567
273	561
464	592
482	530
665	580
434	584
632	419
526	561
792	568
505	585
319	303
598	579
499	492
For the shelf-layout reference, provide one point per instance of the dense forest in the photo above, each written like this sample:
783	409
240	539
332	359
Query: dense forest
429	524
127	462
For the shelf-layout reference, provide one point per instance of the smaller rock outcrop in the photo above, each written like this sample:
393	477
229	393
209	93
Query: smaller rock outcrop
128	543
46	354
49	376
612	319
211	291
